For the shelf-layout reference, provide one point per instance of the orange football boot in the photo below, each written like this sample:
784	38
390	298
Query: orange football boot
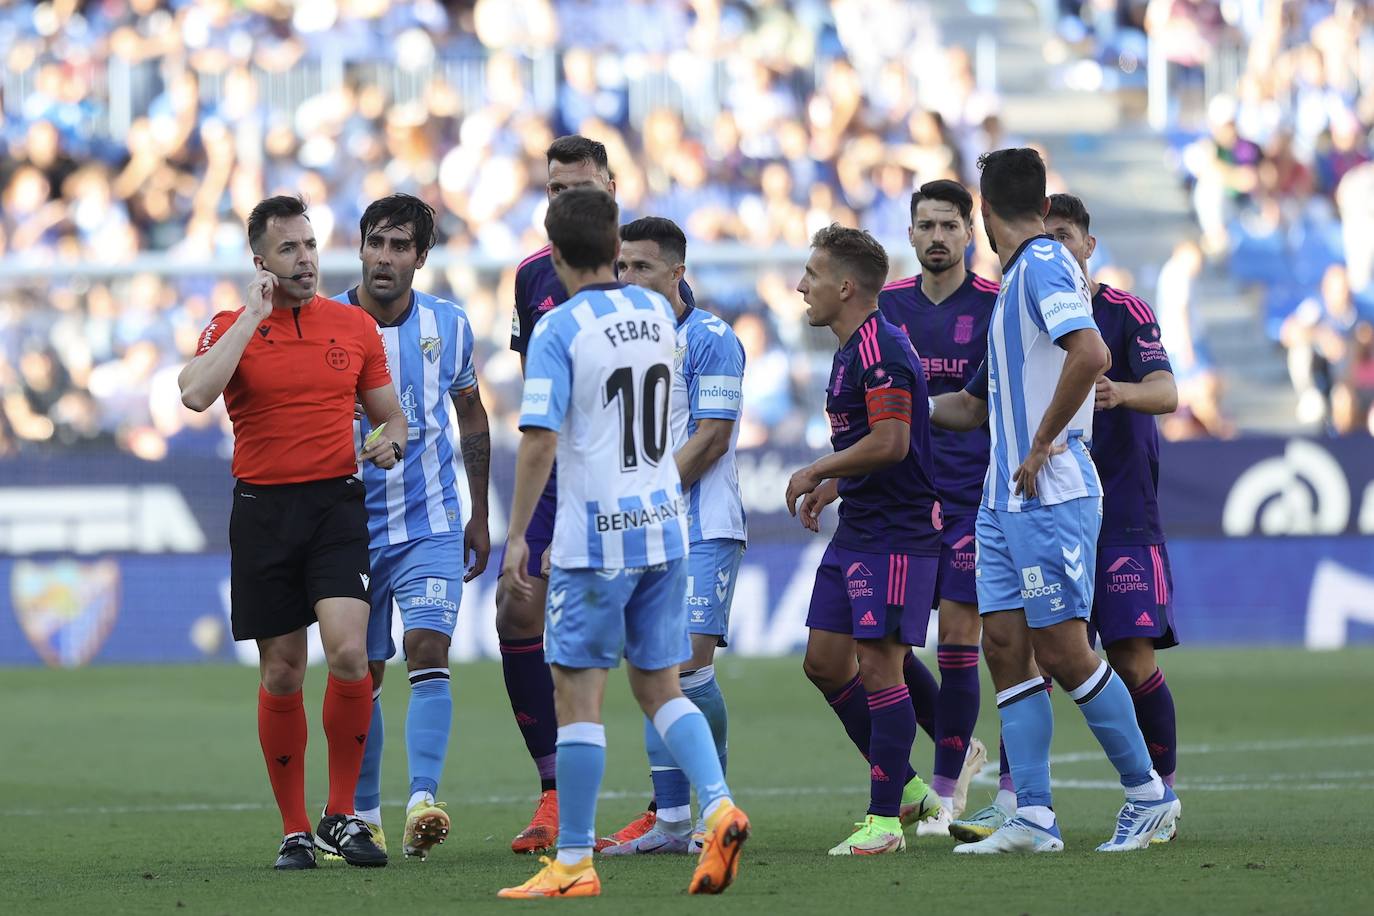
542	833
726	830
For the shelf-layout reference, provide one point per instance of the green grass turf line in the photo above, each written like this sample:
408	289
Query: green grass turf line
142	790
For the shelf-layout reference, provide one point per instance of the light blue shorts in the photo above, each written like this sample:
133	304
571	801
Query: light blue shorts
712	569
594	616
1043	560
425	579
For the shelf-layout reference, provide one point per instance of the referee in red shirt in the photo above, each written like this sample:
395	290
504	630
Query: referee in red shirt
291	365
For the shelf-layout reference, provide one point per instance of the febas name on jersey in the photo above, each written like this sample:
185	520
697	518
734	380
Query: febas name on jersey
620	502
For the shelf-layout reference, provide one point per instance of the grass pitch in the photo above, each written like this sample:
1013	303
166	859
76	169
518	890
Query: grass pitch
142	790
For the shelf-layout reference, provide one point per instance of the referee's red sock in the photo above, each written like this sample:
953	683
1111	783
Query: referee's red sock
347	717
282	733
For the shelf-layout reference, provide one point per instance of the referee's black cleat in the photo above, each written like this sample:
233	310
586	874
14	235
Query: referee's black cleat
297	852
349	838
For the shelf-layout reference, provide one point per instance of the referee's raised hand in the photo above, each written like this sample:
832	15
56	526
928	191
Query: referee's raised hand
260	295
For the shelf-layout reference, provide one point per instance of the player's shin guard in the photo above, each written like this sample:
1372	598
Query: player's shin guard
282	733
1154	710
688	737
427	727
672	791
1106	704
893	730
924	691
956	713
581	755
368	796
530	688
1027	729
347	716
700	686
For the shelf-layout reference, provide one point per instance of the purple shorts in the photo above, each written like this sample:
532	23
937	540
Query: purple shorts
539	535
1134	595
954	581
869	595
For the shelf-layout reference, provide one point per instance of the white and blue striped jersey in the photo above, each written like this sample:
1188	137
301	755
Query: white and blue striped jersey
708	378
599	372
429	353
1044	296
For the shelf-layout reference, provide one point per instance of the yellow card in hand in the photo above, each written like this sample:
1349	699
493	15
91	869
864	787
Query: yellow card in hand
373	436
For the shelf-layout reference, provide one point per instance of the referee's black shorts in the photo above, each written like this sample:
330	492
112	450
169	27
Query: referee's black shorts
291	545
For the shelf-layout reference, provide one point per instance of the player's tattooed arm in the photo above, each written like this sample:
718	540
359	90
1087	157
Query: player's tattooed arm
474	440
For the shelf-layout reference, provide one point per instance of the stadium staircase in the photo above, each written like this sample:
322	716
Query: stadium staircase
1100	144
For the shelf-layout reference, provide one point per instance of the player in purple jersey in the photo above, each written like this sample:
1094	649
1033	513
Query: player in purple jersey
874	587
1133	605
573	162
945	310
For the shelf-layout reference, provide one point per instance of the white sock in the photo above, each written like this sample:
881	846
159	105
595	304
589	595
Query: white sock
1006	800
418	797
1039	815
572	855
1148	791
711	808
675	814
947	802
371	815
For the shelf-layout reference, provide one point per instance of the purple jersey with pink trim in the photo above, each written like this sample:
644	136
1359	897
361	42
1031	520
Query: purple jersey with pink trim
894	509
952	339
1125	444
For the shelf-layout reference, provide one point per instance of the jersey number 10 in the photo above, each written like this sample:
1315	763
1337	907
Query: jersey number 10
652	433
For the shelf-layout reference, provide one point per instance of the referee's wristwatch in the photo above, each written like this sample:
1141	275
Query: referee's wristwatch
397	450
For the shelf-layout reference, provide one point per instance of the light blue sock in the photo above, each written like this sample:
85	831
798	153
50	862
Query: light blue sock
368	795
1027	728
581	762
688	737
427	727
671	788
1106	703
700	686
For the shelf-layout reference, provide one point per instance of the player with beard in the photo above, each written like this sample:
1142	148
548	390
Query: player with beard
419	544
945	311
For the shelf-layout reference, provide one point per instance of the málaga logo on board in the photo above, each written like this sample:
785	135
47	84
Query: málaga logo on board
66	608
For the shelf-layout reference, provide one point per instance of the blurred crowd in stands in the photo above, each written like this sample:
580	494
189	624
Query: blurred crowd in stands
133	127
1279	167
139	127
